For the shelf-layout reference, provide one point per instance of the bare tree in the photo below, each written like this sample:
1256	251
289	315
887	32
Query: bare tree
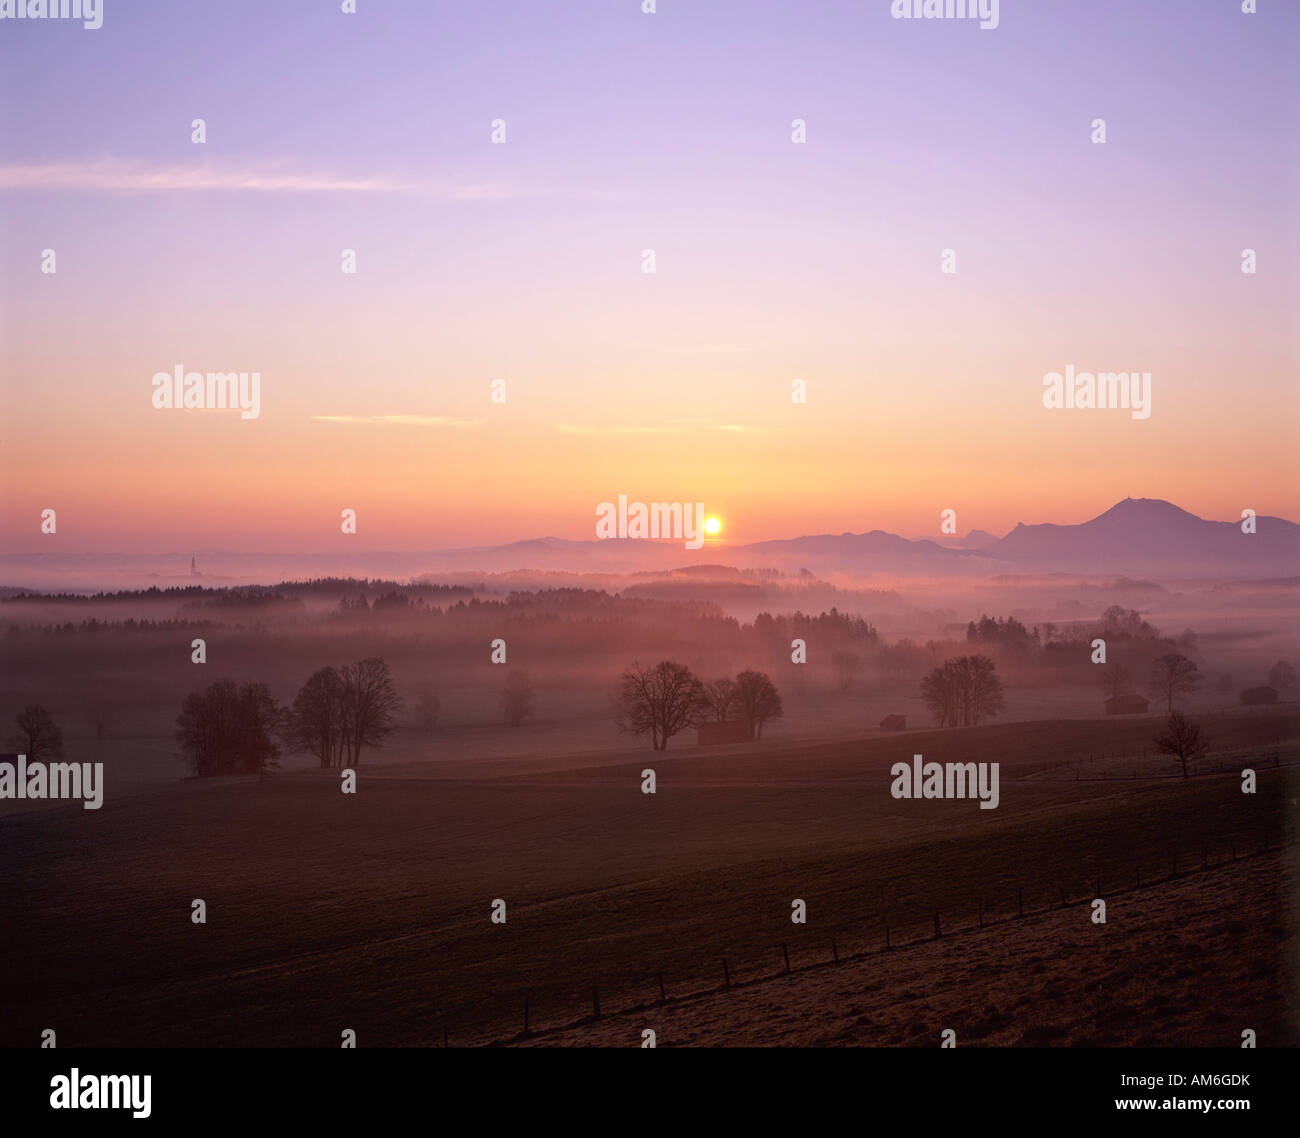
759	701
963	690
722	700
1115	680
370	705
101	714
660	701
940	692
518	701
316	718
1173	678
982	694
847	665
38	736
428	707
1281	676
230	729
1183	738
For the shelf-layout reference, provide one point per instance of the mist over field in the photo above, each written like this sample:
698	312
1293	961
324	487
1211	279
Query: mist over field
676	903
628	524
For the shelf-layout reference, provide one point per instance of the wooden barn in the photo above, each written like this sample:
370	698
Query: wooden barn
728	731
1263	694
1127	705
893	722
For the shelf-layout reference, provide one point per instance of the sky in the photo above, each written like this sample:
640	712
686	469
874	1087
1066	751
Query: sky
522	261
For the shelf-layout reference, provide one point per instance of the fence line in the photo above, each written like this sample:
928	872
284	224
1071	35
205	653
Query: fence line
1178	870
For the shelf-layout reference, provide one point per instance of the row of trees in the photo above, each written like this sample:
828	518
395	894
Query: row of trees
339	711
668	697
230	728
1173	677
518	702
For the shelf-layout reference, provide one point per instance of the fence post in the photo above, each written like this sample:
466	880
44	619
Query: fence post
726	974
595	1002
1061	891
1020	902
937	931
887	944
981	904
1232	845
662	998
835	952
786	953
525	1015
1175	872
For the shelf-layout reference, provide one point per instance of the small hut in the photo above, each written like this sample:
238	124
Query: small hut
728	731
1130	704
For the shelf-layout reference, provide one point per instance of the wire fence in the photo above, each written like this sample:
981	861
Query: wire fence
844	944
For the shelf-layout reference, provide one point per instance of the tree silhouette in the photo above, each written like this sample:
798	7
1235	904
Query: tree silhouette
338	712
1173	677
1183	738
38	736
428	707
1115	680
759	701
317	717
370	705
229	729
963	690
722	700
1281	676
660	701
518	701
847	666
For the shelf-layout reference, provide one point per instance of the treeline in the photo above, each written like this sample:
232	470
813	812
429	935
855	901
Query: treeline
94	627
665	699
229	728
251	597
152	593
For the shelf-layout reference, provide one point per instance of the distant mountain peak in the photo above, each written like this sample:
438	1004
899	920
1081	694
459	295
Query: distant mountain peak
1143	508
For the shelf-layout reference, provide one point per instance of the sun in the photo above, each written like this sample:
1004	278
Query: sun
712	525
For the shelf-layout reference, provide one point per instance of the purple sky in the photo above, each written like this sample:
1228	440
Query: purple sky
626	132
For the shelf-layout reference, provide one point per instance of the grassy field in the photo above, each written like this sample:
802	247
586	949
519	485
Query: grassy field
372	912
1054	979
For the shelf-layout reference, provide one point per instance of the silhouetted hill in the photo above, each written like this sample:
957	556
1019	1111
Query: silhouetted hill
1141	537
1149	535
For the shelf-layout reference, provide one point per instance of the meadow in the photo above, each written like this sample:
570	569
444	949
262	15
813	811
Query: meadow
372	911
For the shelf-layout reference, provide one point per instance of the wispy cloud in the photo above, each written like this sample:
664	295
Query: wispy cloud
399	420
116	175
581	429
672	427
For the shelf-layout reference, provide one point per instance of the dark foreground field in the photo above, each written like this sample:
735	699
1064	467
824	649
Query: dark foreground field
1184	962
371	912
